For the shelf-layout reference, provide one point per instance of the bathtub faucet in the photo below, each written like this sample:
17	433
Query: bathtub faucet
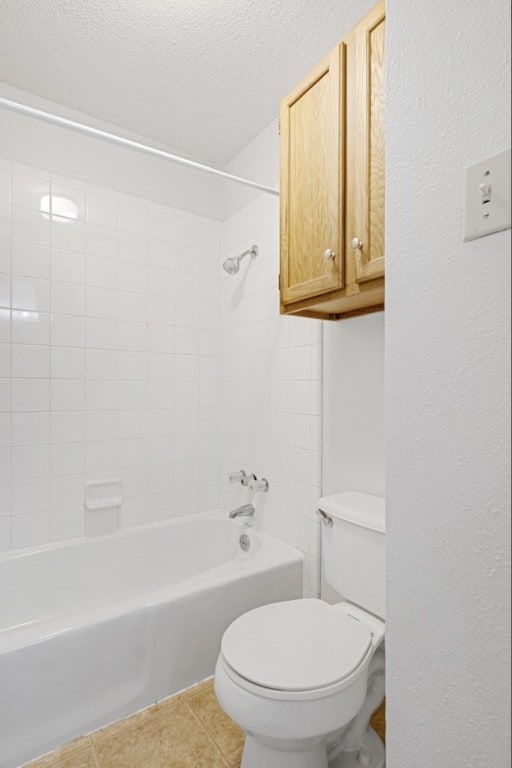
246	510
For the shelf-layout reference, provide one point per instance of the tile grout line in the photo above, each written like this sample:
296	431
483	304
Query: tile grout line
54	759
10	359
95	754
207	733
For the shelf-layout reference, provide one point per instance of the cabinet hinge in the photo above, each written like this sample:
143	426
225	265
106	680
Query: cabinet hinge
279	126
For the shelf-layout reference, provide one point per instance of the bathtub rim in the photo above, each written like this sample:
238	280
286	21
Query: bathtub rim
265	559
52	546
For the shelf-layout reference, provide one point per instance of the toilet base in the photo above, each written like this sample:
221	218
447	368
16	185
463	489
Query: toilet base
257	754
372	745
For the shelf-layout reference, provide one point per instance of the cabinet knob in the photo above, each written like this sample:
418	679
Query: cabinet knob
329	254
356	244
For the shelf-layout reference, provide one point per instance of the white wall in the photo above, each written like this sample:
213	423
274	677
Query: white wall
353	410
258	161
109	346
447	385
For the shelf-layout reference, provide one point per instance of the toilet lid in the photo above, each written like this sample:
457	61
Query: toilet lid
300	645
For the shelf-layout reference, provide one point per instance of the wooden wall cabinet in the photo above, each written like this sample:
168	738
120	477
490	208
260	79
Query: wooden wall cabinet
332	181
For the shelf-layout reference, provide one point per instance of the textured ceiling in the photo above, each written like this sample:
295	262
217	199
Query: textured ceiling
202	76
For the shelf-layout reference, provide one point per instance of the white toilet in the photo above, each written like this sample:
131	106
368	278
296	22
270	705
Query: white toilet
302	678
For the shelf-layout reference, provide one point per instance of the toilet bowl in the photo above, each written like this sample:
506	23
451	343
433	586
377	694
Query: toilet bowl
294	676
302	678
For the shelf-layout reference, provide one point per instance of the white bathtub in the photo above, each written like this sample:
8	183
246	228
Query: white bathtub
91	631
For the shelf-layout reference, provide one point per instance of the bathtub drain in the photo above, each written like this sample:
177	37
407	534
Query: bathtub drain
245	542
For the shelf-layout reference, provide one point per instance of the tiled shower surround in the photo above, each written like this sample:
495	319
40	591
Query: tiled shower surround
126	351
271	390
109	356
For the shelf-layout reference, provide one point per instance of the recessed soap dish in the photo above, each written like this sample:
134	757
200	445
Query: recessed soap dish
103	494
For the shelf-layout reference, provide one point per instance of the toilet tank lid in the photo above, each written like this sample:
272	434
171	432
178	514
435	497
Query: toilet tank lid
361	509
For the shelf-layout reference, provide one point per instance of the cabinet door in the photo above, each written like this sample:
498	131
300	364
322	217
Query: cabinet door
365	146
311	182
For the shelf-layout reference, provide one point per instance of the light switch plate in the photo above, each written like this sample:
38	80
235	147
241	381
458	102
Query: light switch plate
487	197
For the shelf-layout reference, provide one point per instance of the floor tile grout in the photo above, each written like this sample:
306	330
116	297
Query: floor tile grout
208	687
95	755
211	731
207	734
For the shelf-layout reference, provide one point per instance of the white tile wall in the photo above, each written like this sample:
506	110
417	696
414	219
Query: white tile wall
126	350
271	390
109	355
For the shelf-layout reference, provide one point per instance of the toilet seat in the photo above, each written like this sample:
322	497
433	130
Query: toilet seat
302	648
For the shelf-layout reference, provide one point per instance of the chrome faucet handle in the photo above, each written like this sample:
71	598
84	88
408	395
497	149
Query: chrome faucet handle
237	477
248	480
259	485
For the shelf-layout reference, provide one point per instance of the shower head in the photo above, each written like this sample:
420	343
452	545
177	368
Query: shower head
232	264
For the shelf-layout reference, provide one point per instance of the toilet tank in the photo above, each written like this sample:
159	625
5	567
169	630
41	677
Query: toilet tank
353	548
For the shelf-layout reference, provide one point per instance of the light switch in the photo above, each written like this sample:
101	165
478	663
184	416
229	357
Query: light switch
487	197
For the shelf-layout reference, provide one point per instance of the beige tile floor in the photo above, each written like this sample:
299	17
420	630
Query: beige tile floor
188	730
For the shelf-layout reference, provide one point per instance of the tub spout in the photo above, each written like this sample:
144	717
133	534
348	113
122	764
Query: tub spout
246	510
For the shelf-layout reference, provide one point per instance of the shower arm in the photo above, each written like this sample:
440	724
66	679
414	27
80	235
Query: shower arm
252	252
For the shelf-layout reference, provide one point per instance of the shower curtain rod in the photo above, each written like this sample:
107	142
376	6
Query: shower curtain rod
88	130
